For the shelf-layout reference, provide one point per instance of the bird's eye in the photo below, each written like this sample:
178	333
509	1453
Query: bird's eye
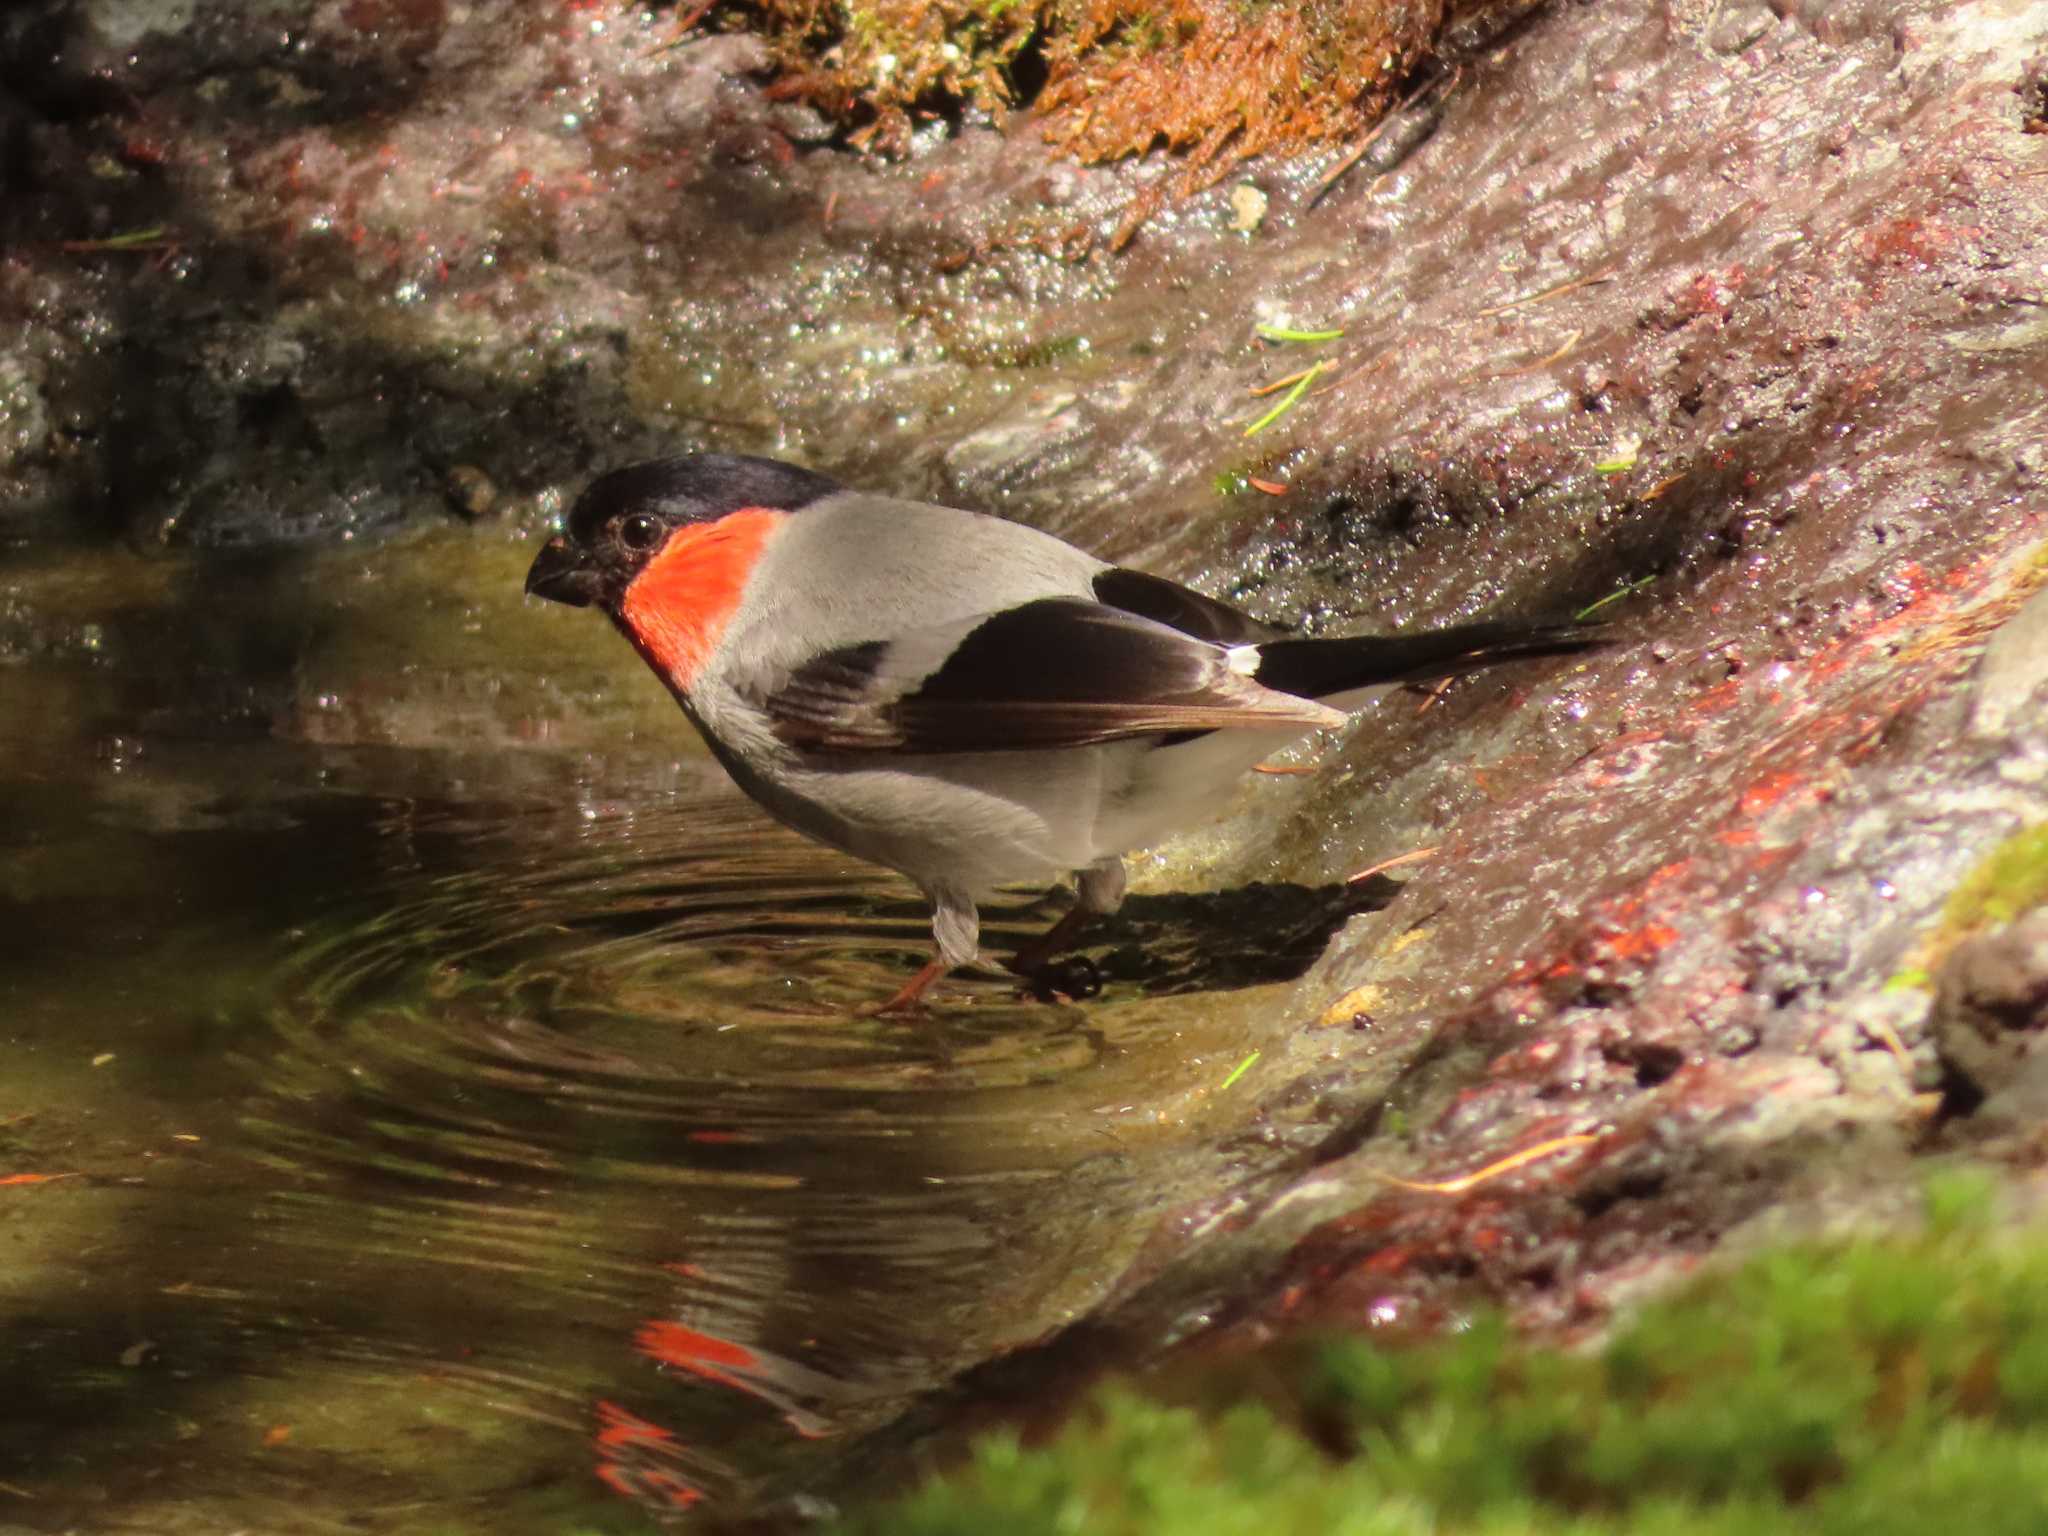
640	532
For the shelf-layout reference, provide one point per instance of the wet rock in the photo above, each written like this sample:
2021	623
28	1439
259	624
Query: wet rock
2012	679
1991	1024
1880	1042
470	491
24	414
1736	26
2032	90
121	24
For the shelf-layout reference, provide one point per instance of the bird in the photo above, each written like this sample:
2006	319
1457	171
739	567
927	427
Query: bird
967	700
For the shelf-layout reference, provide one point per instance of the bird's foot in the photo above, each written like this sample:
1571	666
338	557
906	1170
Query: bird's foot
1073	977
1046	973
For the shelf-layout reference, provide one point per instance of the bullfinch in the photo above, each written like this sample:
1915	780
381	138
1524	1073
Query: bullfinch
967	700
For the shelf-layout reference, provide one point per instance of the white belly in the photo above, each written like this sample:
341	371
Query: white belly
976	821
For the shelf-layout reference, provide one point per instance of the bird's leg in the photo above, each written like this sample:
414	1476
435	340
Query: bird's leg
957	927
910	998
1098	891
1033	955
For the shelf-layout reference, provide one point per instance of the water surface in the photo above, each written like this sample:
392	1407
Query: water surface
433	1096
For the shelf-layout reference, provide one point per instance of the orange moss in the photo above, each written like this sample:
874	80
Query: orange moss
1216	80
1223	80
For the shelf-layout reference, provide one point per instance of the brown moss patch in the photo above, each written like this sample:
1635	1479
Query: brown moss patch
872	63
1215	80
1223	80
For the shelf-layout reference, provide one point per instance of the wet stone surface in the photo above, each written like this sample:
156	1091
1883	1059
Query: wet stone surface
1991	1008
426	1038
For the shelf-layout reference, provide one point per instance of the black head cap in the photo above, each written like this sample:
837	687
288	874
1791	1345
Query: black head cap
624	517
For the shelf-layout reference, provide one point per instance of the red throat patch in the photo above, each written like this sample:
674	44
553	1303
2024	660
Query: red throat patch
678	606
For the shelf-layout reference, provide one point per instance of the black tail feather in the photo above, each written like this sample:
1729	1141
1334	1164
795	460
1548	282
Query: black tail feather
1316	669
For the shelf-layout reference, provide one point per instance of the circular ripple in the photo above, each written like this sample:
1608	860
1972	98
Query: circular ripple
600	1076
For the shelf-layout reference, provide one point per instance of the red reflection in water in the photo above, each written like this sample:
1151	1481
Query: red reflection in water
773	1380
631	1455
673	1344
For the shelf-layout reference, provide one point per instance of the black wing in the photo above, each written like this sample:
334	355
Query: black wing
1182	608
1317	668
1059	672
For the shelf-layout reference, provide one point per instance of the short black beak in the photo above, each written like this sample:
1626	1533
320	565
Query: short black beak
560	575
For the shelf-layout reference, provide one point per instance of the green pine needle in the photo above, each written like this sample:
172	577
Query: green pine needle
1287	400
1240	1069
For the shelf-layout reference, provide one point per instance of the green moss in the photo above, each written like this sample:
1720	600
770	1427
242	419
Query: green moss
1865	1386
882	59
2011	881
